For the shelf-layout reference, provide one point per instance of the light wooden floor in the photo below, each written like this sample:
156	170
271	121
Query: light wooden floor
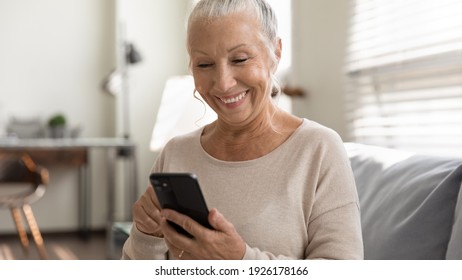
59	246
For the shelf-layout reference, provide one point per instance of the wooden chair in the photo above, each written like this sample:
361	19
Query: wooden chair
23	183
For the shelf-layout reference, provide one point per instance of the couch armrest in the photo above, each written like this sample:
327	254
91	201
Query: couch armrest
408	203
455	243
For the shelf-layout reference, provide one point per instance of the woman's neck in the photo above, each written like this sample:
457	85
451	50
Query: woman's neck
255	139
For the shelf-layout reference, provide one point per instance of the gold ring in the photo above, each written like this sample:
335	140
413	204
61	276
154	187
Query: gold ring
181	254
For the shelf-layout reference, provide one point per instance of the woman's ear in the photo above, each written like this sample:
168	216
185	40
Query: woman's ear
277	52
278	49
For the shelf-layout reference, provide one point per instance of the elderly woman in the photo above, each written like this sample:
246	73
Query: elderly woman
279	187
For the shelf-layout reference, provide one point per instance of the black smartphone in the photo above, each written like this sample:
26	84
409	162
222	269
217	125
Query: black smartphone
181	192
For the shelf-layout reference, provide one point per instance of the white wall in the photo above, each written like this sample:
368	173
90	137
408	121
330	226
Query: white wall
55	53
53	56
320	40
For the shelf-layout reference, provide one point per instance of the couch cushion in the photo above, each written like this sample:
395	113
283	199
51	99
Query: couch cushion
407	201
455	243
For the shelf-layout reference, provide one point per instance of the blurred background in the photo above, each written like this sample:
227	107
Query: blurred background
367	69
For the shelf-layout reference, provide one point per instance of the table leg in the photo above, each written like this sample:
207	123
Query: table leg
84	200
131	190
111	159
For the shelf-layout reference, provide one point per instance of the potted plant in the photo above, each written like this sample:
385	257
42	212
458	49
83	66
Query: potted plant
57	126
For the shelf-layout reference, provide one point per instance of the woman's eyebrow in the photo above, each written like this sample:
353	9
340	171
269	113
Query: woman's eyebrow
236	47
228	50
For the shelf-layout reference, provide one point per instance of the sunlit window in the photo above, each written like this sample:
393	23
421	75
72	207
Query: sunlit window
404	75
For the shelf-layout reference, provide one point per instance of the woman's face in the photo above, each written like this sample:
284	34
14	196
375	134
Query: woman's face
232	68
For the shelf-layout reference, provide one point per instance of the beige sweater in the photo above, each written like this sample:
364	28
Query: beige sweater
297	202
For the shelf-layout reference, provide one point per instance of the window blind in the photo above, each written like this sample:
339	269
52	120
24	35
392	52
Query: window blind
404	75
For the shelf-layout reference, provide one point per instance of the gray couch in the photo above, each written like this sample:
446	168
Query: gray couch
411	206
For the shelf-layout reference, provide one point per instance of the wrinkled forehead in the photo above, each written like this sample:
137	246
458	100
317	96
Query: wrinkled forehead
243	21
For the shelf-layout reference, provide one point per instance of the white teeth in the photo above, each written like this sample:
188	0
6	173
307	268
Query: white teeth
234	99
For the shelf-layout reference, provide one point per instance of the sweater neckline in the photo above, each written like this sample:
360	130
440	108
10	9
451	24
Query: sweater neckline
260	160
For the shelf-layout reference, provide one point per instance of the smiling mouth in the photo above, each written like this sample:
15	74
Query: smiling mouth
234	99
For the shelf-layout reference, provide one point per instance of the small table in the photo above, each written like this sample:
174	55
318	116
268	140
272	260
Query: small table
74	153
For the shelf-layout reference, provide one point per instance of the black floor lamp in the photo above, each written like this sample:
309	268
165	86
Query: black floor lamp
116	83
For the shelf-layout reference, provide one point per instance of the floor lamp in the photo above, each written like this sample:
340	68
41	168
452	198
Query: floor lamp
117	84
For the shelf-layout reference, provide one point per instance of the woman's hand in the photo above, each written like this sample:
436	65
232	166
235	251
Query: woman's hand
222	243
146	213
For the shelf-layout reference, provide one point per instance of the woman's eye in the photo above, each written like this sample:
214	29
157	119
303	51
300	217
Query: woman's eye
240	60
204	65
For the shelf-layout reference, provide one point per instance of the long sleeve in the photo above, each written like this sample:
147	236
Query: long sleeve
140	246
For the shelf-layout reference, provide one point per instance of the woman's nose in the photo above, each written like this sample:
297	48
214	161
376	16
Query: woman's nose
224	78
